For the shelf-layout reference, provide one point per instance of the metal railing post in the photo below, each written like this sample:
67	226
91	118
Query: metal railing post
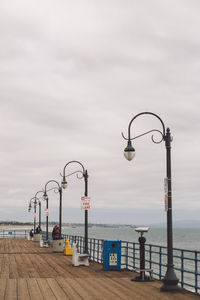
182	268
196	272
98	251
150	257
127	255
93	249
134	255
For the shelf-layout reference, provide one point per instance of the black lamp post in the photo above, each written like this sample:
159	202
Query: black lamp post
170	280
45	196
64	185
35	202
39	203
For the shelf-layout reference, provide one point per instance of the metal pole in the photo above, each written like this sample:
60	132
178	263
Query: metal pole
170	280
60	212
47	219
40	214
142	241
86	213
34	216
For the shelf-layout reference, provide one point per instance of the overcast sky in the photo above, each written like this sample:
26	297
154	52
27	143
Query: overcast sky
72	76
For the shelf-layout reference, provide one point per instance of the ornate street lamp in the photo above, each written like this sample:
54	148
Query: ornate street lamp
170	280
64	185
36	202
45	197
39	203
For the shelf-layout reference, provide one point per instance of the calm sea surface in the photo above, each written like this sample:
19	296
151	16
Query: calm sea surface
182	238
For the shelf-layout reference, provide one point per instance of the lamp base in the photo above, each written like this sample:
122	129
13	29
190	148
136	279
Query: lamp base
170	281
171	288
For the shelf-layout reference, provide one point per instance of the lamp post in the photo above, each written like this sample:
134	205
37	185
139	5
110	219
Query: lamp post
45	196
39	203
170	281
64	185
36	202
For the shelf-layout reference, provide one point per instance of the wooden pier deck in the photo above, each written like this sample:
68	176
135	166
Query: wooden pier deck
30	272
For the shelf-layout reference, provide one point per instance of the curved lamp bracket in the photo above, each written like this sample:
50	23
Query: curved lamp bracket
152	137
77	174
55	189
73	161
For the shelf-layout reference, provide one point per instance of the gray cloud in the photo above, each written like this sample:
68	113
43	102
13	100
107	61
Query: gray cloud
72	75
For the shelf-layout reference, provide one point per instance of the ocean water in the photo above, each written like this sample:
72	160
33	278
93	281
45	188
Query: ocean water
183	238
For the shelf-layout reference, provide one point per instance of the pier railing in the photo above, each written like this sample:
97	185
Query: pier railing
186	262
16	233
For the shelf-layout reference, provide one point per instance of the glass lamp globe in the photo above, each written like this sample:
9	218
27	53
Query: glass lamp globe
45	197
64	184
129	151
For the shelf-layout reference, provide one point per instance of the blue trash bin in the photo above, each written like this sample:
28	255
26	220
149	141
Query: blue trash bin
112	255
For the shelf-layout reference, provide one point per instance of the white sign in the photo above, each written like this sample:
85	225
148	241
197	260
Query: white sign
166	193
46	212
85	203
34	215
113	259
166	185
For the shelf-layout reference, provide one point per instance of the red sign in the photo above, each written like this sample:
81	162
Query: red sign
85	203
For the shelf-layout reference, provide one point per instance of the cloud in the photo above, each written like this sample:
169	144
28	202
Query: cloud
72	75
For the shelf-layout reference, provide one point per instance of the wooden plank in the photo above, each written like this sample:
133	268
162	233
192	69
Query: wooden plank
53	263
34	289
11	290
112	287
57	289
13	272
45	288
1	263
48	268
32	272
5	267
81	291
70	292
116	285
3	283
97	284
96	292
21	266
138	288
22	289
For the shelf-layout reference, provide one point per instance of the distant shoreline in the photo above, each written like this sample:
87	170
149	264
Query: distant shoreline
15	226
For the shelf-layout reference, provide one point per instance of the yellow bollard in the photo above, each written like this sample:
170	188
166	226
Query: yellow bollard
68	250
